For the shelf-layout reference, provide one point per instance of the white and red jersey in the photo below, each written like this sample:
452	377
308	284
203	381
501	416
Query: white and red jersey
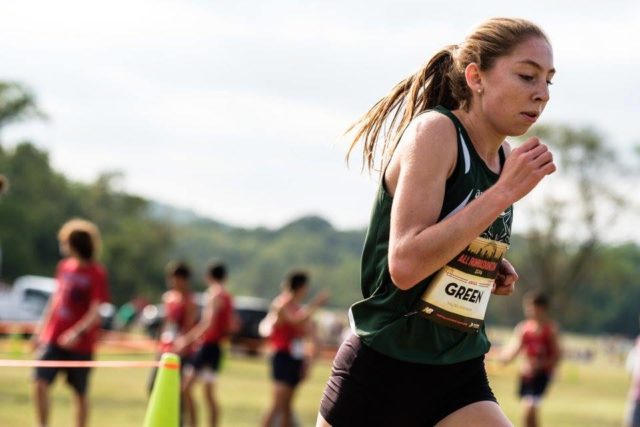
221	324
180	317
539	344
286	336
633	365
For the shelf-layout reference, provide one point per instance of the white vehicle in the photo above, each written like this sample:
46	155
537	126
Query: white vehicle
26	300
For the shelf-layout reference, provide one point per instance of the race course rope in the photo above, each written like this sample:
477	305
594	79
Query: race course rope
10	363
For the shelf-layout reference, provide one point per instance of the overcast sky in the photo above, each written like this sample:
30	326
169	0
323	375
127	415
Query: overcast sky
235	109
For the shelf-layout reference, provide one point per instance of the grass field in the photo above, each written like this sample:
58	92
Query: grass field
582	395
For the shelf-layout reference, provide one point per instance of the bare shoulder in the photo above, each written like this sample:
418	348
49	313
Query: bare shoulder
280	302
217	296
211	295
166	296
216	292
427	146
428	132
520	327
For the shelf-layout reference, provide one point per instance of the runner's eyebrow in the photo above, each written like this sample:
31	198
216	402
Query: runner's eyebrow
536	65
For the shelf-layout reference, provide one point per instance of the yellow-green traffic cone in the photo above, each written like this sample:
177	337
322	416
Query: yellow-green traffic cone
163	409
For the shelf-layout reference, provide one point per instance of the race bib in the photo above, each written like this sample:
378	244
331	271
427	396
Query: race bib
297	349
459	293
170	333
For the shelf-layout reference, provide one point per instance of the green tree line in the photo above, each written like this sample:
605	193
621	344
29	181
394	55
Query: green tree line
138	242
40	200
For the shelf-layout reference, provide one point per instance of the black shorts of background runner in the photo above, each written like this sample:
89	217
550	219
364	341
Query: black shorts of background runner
77	378
208	356
534	386
367	388
286	369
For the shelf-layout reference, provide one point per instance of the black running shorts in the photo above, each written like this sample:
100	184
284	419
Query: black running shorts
77	378
286	368
367	388
534	386
207	357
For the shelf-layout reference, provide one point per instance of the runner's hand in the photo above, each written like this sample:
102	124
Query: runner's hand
68	339
179	345
34	342
321	298
505	282
524	169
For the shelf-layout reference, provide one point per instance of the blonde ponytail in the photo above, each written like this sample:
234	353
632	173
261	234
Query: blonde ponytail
440	82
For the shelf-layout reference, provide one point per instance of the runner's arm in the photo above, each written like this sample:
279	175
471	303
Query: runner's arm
513	347
191	315
418	245
284	314
44	319
556	349
206	321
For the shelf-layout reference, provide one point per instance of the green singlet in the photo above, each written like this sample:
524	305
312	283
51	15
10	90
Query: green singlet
388	318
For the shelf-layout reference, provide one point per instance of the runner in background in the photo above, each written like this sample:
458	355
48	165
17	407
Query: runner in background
214	326
537	338
70	324
290	325
632	415
180	314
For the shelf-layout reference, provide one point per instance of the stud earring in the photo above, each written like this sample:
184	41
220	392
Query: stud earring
480	91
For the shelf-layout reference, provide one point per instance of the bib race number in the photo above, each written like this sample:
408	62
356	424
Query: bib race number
459	293
297	349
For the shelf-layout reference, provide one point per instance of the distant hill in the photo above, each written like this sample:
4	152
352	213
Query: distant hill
165	212
259	258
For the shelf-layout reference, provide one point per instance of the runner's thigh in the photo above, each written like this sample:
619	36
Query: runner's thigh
478	414
321	422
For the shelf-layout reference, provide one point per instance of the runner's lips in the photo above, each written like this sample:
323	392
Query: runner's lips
531	116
